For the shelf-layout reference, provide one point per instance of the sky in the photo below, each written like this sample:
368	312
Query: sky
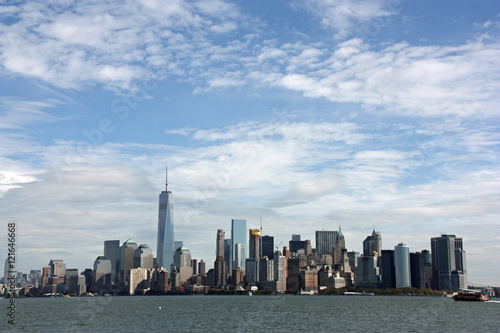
364	114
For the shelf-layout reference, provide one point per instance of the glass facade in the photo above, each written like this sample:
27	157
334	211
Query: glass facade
165	242
238	236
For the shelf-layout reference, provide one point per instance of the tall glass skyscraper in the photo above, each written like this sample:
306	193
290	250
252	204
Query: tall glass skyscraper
402	265
165	242
238	236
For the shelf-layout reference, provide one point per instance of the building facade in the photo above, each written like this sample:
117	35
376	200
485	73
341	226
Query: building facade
165	240
402	265
448	263
238	236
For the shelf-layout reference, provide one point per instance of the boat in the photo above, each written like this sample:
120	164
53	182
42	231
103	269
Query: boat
250	293
470	297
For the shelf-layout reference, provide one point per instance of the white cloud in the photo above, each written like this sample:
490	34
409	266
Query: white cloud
345	15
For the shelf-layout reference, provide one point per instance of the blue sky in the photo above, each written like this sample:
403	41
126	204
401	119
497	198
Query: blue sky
312	114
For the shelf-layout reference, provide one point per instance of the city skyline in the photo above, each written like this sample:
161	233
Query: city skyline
316	114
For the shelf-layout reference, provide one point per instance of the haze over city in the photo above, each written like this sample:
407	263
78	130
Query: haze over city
312	114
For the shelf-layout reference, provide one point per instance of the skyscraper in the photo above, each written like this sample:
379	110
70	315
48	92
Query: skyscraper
388	270
127	252
238	236
254	240
402	265
219	249
165	242
267	246
448	263
112	252
143	257
325	241
372	244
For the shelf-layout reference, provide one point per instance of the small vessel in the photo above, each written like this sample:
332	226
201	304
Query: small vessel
470	297
250	293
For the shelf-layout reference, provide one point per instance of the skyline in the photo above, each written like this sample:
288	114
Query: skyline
311	114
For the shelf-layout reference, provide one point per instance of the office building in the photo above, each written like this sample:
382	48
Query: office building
76	285
421	270
368	273
448	263
325	242
143	257
266	269
201	267
251	270
267	243
353	260
228	245
280	268
294	267
182	263
57	268
254	240
220	271
388	269
238	236
165	241
219	248
112	252
402	265
194	265
139	280
297	246
372	244
127	252
101	275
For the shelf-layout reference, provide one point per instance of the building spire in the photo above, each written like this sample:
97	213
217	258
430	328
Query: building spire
166	178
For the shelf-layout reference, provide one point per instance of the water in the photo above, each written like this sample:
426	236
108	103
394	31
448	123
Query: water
285	313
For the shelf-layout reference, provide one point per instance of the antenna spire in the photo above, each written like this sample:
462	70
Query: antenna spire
166	178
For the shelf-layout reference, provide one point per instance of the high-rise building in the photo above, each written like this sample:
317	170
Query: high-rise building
239	256
339	248
367	273
280	268
266	269
58	267
165	241
353	260
127	252
112	252
448	263
267	246
143	257
238	236
372	244
102	275
201	267
254	240
421	269
228	244
402	265
388	269
325	241
182	262
219	248
220	271
295	237
298	245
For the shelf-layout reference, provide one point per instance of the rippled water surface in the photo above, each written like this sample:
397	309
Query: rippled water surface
252	314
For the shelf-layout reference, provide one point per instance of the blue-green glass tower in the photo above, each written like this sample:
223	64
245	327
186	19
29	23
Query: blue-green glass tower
165	242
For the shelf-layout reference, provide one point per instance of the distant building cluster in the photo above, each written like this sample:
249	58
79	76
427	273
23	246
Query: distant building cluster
249	260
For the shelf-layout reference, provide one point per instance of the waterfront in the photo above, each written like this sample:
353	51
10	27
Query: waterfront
285	313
